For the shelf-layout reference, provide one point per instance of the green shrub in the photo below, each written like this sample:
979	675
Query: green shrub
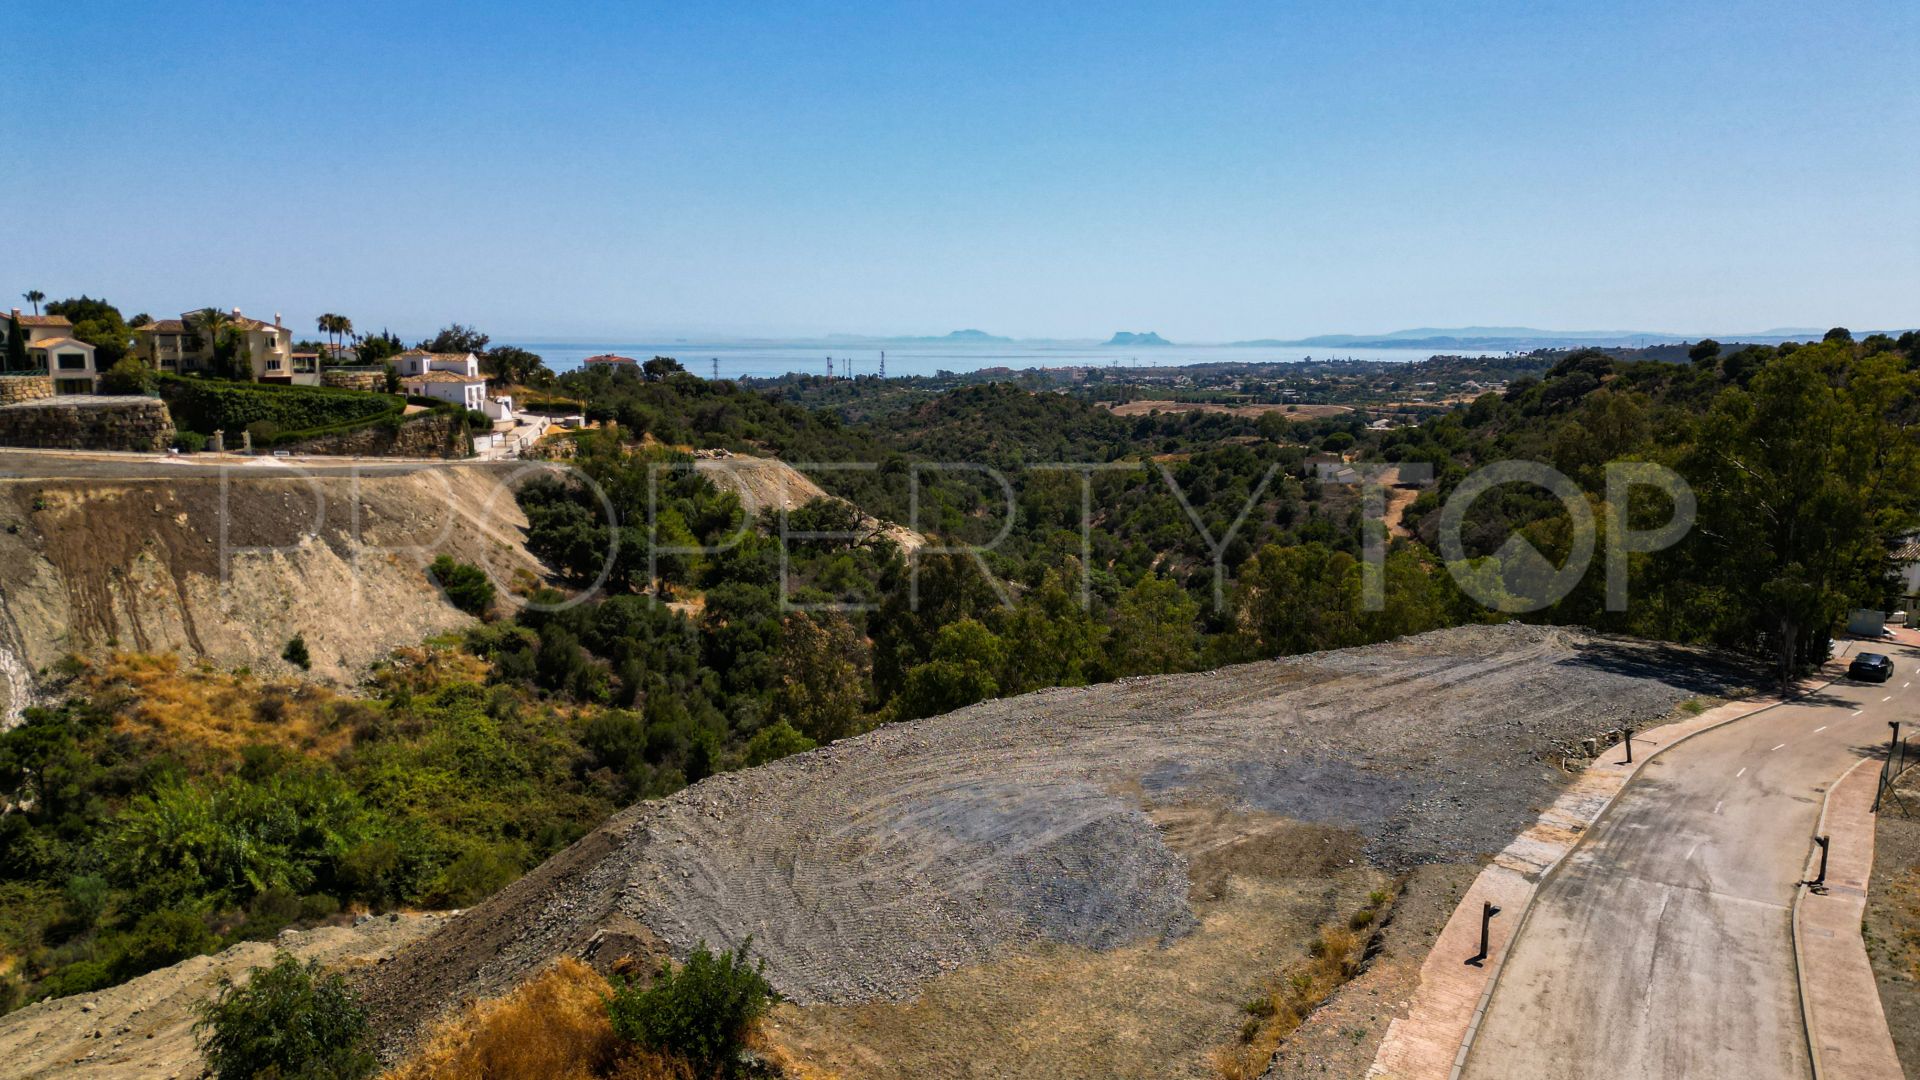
296	653
701	1012
467	587
289	1021
160	938
208	405
478	421
191	442
127	376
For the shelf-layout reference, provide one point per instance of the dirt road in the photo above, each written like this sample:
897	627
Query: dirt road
1663	947
877	868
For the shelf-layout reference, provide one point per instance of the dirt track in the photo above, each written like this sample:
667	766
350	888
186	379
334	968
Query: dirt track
872	867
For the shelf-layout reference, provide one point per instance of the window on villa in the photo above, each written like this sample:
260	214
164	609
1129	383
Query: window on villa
273	363
73	361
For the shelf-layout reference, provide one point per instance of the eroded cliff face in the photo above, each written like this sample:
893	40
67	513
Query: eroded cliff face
230	567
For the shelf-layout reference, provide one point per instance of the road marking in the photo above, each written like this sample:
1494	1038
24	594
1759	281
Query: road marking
1904	685
1718	805
1889	697
1691	850
1820	729
1857	712
1776	748
1741	773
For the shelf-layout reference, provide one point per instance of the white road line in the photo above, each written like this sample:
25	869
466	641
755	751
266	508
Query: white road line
1857	712
1741	773
1820	729
1889	697
1718	805
1776	748
1691	850
1904	685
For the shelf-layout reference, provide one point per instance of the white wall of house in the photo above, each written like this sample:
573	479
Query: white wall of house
467	395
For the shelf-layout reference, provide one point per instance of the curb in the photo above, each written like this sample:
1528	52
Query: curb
1889	1068
1546	876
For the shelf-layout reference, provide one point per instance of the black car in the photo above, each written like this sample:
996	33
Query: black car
1870	667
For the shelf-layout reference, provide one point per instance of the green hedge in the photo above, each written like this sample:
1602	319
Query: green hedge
296	412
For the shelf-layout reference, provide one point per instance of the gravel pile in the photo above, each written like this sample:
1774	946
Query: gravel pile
867	867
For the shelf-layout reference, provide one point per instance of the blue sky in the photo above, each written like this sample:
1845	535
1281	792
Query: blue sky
1212	171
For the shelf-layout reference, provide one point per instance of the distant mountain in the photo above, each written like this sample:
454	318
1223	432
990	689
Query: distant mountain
1479	337
969	337
1128	337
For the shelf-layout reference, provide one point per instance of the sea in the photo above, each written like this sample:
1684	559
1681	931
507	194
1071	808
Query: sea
771	359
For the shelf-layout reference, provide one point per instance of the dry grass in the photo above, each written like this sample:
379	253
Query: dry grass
215	712
553	1028
556	1028
1333	957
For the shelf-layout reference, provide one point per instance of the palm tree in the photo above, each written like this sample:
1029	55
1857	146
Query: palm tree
34	296
208	323
327	324
345	327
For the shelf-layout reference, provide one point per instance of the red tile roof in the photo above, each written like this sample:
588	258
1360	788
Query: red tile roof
609	358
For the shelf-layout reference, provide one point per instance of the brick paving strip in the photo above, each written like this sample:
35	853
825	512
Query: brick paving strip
1846	1026
1431	1041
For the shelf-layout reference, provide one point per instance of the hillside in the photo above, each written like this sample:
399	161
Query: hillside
1221	815
93	562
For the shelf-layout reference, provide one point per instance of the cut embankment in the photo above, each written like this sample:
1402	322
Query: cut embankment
1152	848
230	566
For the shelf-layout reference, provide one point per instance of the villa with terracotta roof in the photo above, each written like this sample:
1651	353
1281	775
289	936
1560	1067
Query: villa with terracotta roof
453	377
52	347
177	346
610	360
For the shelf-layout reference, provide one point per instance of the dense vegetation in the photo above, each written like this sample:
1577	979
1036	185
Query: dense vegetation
159	813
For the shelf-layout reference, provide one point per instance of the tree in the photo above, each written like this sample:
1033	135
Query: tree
99	324
512	364
1153	629
1839	333
289	1021
823	667
129	375
967	659
467	587
16	359
34	296
456	338
1804	478
660	367
377	348
1704	350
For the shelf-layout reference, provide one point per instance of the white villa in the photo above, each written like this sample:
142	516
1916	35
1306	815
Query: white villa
452	377
176	345
51	345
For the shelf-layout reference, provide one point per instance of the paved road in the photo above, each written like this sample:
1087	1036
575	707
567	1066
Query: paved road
18	464
1663	946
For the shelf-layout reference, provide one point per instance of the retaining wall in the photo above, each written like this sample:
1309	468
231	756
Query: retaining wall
87	423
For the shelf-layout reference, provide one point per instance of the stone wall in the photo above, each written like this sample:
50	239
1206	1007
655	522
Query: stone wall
371	380
88	423
425	435
14	388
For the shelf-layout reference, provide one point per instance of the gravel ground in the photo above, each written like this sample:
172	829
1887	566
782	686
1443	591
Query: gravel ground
865	869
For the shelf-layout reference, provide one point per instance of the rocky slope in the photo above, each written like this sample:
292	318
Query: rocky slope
229	565
1097	821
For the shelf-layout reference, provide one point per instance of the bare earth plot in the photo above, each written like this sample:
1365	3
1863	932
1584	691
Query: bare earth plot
1083	882
1291	412
143	1029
